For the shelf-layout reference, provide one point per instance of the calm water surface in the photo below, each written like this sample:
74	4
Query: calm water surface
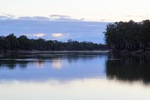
74	77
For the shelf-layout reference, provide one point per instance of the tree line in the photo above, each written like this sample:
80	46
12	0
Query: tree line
11	42
129	36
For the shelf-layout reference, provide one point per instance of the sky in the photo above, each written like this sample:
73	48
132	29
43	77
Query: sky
81	20
61	29
93	10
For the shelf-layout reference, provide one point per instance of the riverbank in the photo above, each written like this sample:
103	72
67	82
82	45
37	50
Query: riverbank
136	52
54	52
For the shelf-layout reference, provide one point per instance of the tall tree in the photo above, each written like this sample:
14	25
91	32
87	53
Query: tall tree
11	42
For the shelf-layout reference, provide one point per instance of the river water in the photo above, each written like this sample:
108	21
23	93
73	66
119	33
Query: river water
74	77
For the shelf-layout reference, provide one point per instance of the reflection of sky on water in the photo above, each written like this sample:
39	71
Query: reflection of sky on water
56	64
85	89
66	67
60	68
84	77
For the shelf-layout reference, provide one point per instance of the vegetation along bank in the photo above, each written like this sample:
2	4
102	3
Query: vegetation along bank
128	36
11	42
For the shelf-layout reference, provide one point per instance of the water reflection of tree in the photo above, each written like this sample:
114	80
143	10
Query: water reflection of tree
11	64
129	69
12	60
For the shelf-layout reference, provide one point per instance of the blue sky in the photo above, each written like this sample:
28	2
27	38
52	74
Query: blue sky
61	29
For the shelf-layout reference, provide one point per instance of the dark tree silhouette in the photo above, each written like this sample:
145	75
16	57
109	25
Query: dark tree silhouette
11	42
128	35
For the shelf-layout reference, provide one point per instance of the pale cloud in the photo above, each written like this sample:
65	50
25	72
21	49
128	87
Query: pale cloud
64	18
57	34
60	36
36	35
33	18
6	16
39	34
56	64
39	18
60	16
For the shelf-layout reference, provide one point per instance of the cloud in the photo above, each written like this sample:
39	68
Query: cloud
64	18
39	34
36	35
6	16
39	18
57	34
60	16
33	18
60	36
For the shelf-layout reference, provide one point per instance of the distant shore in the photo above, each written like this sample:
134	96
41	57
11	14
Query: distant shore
54	52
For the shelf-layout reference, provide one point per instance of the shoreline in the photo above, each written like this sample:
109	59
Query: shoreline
54	52
136	52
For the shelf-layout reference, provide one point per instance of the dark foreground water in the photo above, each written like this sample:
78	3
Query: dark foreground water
74	77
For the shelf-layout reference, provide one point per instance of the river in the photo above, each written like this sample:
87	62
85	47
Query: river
74	76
